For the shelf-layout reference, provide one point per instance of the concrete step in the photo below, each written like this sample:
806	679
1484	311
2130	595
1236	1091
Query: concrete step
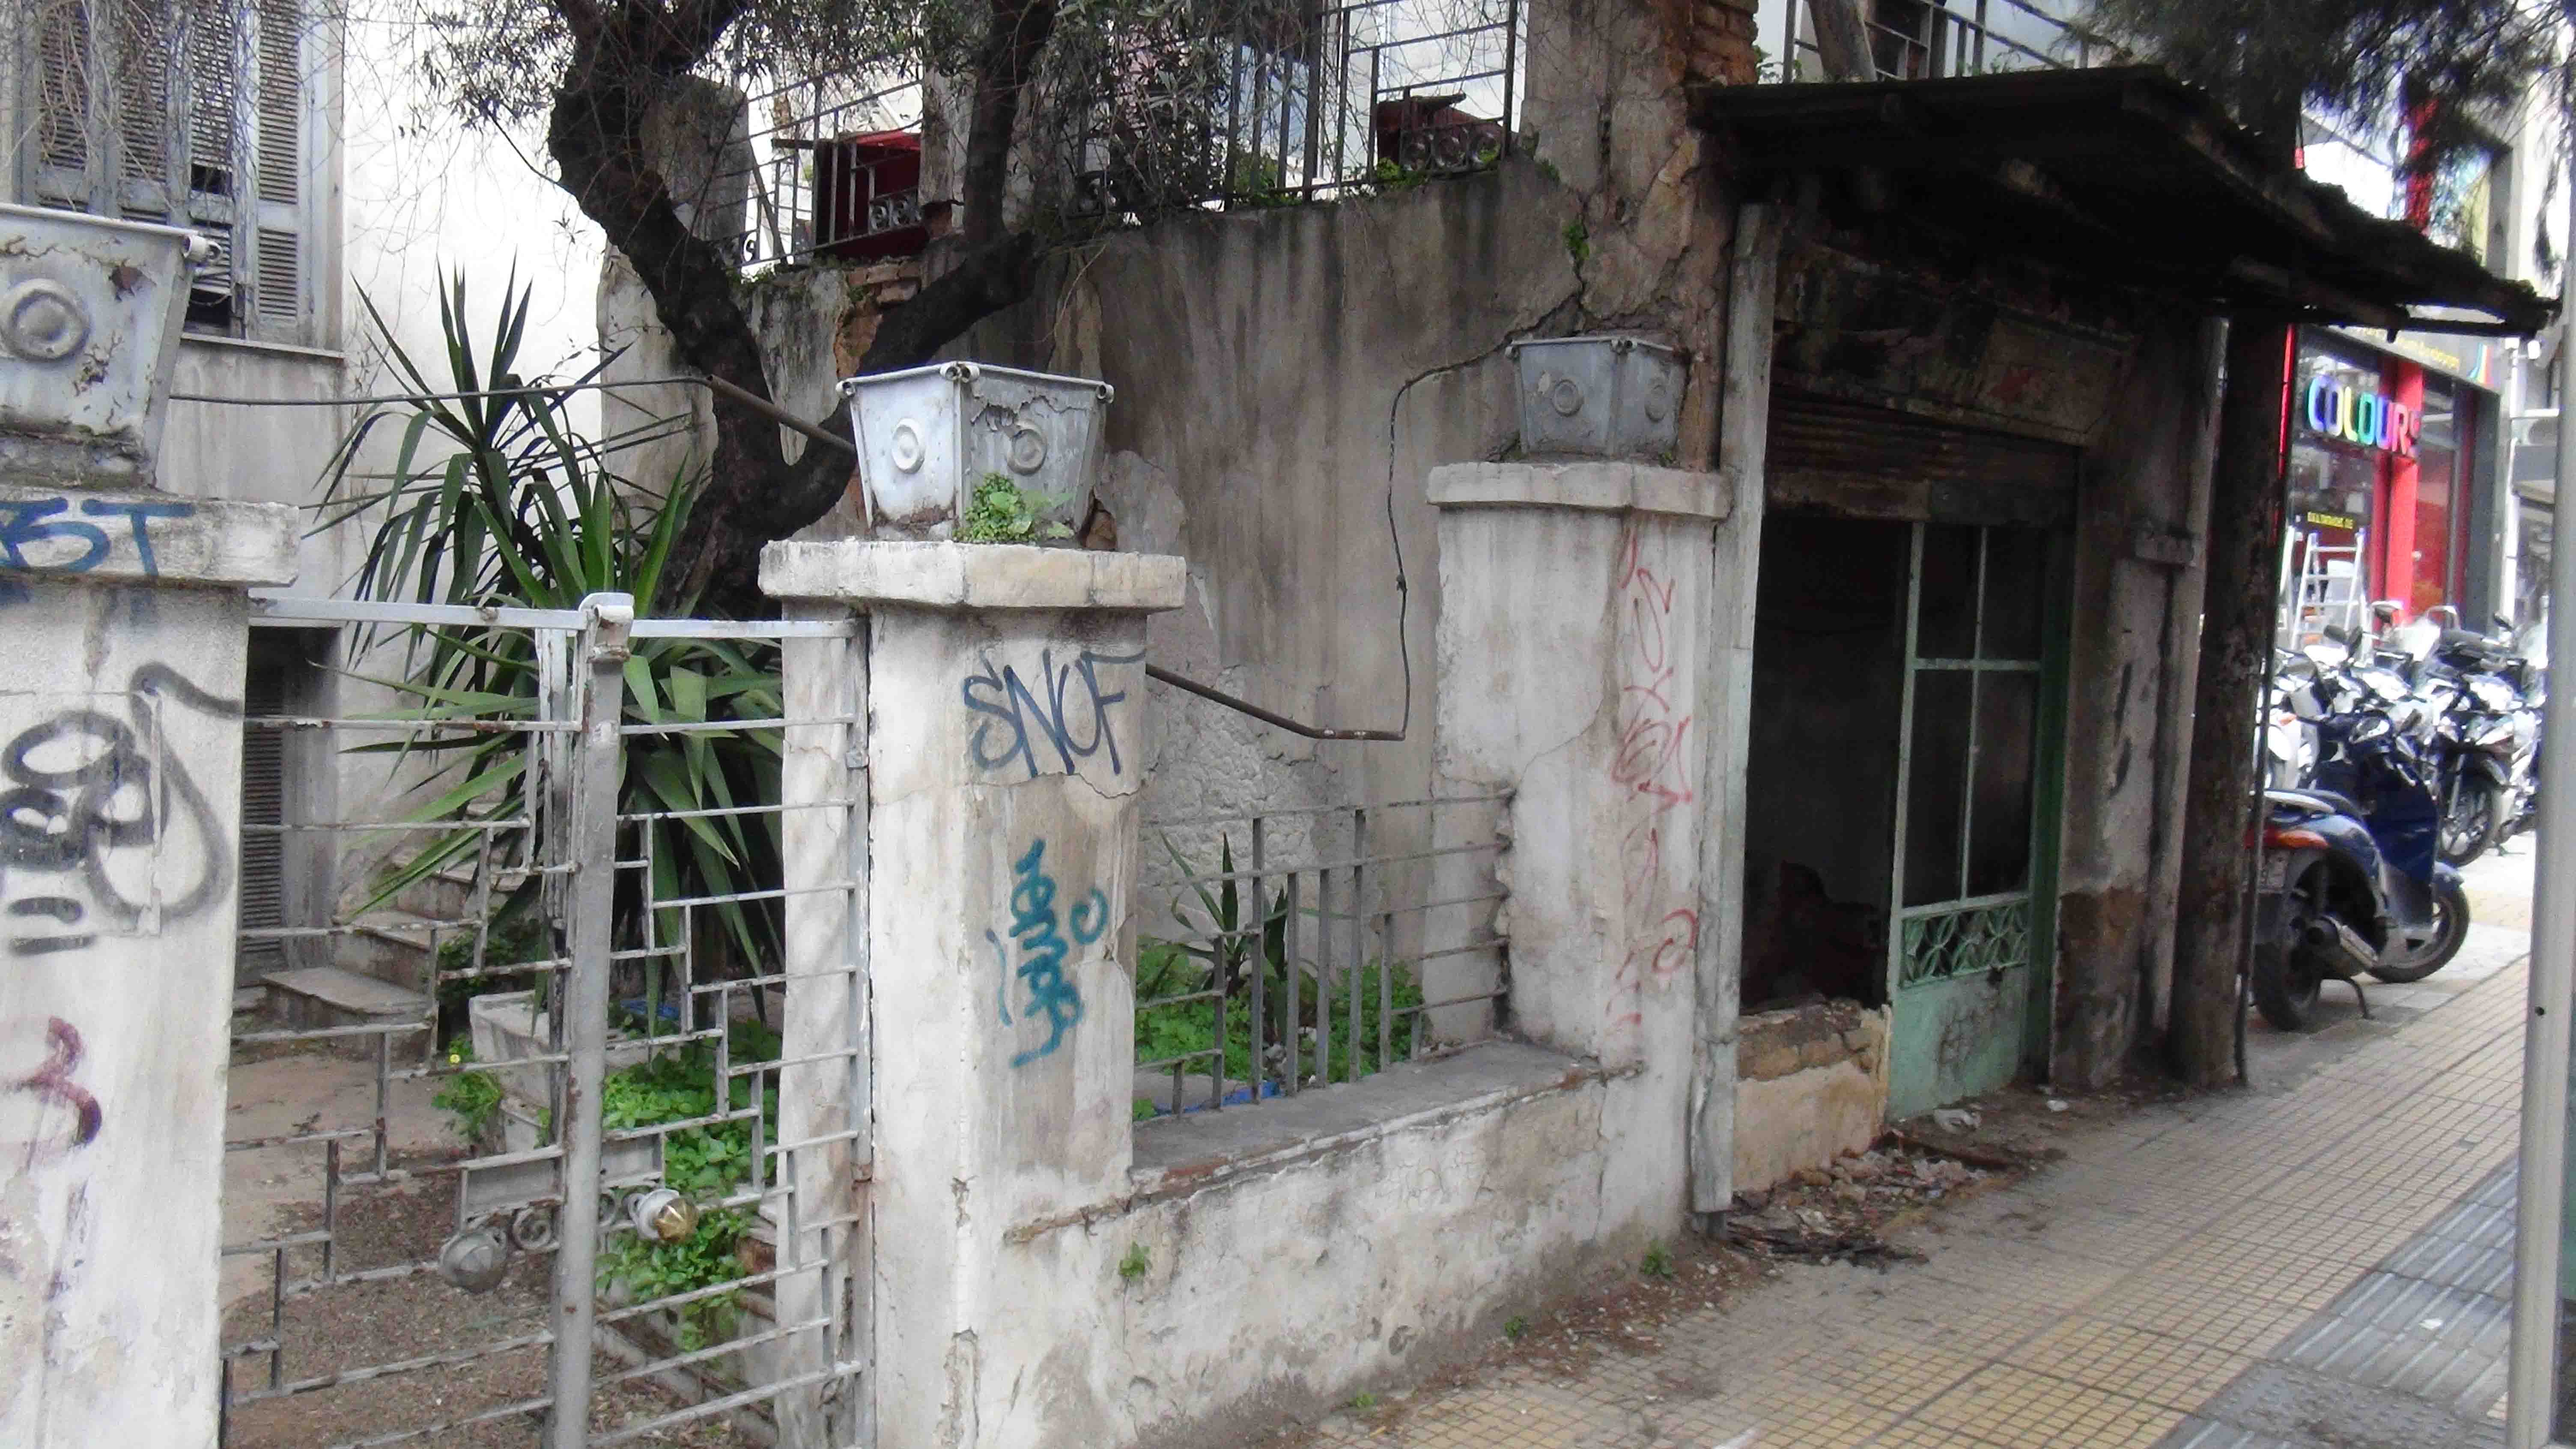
451	894
314	998
393	946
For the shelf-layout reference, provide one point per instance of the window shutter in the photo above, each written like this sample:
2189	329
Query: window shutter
277	89
63	58
141	63
263	802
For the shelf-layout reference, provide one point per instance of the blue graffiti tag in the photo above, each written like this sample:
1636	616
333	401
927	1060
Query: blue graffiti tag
25	522
1042	950
1012	708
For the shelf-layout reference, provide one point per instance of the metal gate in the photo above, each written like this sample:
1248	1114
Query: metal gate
1973	886
545	1135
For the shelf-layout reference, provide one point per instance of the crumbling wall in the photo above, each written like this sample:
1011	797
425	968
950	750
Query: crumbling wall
1810	1085
2143	509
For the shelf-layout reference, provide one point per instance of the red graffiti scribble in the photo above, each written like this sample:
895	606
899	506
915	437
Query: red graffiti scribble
67	1117
1653	763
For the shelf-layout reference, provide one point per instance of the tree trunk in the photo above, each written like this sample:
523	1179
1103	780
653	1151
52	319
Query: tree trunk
2243	550
622	58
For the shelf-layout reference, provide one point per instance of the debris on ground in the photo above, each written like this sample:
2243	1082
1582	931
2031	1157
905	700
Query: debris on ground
1955	1119
1842	1213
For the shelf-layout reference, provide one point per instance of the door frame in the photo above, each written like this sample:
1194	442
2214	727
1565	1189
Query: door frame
2038	895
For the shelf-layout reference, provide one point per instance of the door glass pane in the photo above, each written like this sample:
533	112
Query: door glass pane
1947	626
1936	788
2007	740
2015	558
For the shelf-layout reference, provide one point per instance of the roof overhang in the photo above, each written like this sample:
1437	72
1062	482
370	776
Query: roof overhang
2126	174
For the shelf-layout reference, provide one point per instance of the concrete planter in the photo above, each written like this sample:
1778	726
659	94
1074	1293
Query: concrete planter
90	315
927	436
1599	397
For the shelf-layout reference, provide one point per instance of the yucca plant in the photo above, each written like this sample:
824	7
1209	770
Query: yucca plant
496	500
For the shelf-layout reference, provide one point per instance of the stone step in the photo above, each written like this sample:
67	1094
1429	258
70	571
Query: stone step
390	945
312	998
451	895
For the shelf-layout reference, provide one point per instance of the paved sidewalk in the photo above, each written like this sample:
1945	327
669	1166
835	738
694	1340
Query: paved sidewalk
2309	1263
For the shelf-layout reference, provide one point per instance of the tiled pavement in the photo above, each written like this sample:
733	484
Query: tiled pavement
2321	1261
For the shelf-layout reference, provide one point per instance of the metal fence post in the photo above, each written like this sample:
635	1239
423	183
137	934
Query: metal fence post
592	837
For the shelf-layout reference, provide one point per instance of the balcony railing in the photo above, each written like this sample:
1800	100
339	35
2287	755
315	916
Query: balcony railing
830	169
1928	39
1367	96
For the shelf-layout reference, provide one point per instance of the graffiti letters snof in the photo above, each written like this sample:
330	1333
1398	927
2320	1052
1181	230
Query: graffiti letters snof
1051	725
102	829
1038	936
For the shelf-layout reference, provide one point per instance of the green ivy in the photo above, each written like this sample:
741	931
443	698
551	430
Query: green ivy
705	1258
676	1086
1001	511
698	1162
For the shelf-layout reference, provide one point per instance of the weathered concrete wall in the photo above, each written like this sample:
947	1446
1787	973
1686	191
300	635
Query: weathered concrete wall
1574	660
1284	1258
1811	1085
2144	507
260	454
120	720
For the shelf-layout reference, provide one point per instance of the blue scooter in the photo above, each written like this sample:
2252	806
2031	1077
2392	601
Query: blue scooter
2350	879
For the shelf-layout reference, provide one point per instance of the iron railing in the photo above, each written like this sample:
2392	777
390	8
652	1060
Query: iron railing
828	168
626	1102
1371	95
1290	950
1928	39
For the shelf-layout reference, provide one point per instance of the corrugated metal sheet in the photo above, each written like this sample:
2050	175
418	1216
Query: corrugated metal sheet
1833	456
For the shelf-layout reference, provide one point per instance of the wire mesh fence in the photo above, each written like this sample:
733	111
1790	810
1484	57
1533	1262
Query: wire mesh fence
1301	948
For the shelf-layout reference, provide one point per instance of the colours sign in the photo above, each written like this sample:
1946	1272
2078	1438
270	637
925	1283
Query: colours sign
2371	419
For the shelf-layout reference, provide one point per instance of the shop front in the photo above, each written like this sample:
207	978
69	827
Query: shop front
2386	496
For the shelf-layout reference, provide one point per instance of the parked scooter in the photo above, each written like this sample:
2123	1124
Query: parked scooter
2350	880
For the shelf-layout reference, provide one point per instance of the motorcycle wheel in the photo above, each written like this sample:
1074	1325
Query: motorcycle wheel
2450	929
2472	820
2285	987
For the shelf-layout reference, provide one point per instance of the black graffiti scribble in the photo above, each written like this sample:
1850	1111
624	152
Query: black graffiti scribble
82	785
1012	708
67	1118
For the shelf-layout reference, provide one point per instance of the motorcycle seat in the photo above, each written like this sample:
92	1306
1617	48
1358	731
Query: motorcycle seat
2326	800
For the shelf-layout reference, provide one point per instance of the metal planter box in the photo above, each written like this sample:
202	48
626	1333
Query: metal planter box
927	436
1599	397
90	314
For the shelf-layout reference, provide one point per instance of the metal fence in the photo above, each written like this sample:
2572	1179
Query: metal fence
1287	951
648	1227
1926	39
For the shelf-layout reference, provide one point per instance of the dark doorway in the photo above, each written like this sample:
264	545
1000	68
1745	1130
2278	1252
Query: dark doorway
1820	793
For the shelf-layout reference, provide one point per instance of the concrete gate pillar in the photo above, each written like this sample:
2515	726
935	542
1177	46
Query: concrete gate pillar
1574	610
123	631
1004	690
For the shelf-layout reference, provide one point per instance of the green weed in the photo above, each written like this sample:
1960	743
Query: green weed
1001	511
1136	1264
1659	1261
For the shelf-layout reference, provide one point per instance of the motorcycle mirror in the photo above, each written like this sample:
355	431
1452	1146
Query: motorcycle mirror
2370	727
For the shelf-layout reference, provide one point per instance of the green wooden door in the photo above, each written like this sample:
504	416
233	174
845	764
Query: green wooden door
1973	894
